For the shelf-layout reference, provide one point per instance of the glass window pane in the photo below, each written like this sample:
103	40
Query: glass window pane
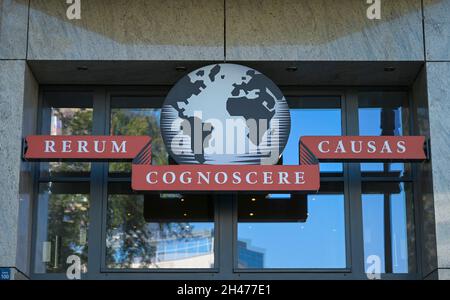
137	121
292	230
62	226
313	116
383	113
69	121
385	222
161	231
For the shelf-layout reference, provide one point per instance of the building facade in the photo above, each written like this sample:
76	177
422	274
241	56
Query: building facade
342	71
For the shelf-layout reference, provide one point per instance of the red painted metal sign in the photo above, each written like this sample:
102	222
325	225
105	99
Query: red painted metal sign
365	148
225	178
202	177
85	147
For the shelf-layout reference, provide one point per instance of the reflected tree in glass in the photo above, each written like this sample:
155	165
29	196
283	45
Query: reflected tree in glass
132	242
137	122
70	121
66	227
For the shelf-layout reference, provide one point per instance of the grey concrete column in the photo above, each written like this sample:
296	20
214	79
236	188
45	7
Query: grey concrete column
424	208
437	41
438	81
18	107
13	28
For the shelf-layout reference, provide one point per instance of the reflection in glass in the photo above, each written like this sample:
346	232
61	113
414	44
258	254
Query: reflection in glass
313	116
158	231
385	224
383	114
69	121
62	226
310	235
137	121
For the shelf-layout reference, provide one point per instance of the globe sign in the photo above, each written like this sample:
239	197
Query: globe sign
225	114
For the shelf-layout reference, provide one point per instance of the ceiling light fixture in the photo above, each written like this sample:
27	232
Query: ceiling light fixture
291	69
389	69
180	69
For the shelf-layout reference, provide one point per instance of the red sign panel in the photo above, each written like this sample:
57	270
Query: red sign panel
85	147
365	148
148	177
225	178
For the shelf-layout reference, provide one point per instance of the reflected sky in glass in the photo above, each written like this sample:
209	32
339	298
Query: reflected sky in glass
373	224
370	124
317	243
320	241
306	122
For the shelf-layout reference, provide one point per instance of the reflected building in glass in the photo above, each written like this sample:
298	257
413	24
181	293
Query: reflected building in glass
249	257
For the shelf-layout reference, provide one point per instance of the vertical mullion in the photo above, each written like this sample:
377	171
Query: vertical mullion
216	244
227	235
104	178
413	206
348	250
41	118
354	186
96	201
412	238
387	234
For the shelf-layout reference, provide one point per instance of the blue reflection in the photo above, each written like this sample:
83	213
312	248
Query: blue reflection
320	241
370	124
374	228
317	243
306	122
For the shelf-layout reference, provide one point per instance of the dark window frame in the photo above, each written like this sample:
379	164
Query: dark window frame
226	207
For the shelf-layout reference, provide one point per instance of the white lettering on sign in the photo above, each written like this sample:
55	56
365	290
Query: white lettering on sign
371	147
148	178
223	178
49	146
220	180
122	148
340	148
248	180
357	147
66	146
172	177
268	178
283	178
82	146
96	147
204	177
386	148
401	147
320	146
353	146
299	177
185	178
236	178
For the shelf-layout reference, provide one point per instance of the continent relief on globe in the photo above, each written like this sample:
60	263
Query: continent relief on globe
252	96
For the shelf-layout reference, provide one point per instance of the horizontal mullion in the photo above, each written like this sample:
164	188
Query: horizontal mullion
387	179
64	179
293	270
166	270
332	179
119	179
